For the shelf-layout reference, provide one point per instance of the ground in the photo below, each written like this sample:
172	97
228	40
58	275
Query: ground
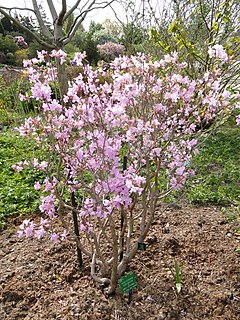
41	280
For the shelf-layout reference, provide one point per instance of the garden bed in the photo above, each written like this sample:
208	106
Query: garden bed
41	280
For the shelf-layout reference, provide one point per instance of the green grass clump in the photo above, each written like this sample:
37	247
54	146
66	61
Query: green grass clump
17	193
217	174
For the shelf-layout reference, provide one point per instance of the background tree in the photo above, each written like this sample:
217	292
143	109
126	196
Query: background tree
8	48
97	34
138	18
190	27
56	37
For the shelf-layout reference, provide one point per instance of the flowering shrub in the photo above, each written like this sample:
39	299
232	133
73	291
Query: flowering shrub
109	50
146	114
19	40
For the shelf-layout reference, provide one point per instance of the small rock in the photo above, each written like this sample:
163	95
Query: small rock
162	315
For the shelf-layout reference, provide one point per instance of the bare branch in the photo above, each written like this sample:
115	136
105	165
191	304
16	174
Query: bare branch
60	19
80	18
42	25
52	10
70	11
36	37
18	8
103	281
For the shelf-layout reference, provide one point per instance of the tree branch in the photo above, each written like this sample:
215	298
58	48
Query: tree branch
52	10
80	18
17	8
42	25
60	19
36	37
70	11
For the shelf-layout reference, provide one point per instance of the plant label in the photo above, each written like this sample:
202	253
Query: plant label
142	246
127	283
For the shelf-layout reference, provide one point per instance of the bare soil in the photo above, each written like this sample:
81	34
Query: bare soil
41	280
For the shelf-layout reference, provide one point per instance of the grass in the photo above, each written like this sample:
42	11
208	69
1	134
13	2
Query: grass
217	174
17	194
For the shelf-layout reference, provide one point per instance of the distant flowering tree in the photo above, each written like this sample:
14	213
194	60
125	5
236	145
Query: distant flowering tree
19	40
109	50
143	113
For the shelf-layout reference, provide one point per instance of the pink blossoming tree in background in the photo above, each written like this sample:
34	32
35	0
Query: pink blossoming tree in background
109	50
147	114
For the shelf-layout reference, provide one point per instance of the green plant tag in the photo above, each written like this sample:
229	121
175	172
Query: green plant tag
127	283
142	246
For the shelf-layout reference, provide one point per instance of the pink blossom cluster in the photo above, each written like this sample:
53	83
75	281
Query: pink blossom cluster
217	51
21	42
110	50
28	228
148	111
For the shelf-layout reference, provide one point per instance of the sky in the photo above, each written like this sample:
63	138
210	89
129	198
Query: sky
96	15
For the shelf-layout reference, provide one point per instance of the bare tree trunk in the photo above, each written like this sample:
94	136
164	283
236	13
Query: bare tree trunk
62	78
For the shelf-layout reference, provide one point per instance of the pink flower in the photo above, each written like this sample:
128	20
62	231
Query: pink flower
43	165
180	171
29	230
109	50
20	233
54	237
39	233
142	110
37	186
60	54
78	58
41	91
238	120
64	235
17	168
218	51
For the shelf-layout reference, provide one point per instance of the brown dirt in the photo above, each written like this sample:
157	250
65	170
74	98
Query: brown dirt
40	279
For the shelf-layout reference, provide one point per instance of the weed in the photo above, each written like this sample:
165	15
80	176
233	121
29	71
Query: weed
177	275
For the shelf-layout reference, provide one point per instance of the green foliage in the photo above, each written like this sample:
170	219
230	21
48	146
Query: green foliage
217	169
194	26
113	28
133	38
17	194
102	36
33	47
8	47
12	109
97	34
21	54
70	49
84	42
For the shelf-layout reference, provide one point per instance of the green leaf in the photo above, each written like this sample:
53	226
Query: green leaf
174	26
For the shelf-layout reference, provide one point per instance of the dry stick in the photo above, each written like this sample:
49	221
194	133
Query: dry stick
122	214
76	229
114	273
130	224
63	206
